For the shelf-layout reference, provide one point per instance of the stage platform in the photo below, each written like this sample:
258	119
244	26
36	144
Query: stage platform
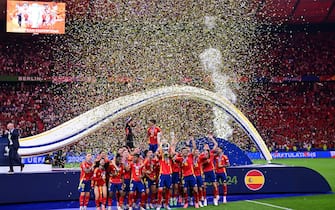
72	205
28	168
62	185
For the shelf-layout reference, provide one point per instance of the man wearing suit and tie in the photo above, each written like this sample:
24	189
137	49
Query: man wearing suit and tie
13	136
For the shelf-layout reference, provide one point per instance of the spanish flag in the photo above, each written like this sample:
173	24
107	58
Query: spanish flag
254	180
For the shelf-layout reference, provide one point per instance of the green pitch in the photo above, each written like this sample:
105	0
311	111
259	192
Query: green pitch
325	167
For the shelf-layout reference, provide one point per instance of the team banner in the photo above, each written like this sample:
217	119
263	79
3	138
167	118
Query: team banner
35	17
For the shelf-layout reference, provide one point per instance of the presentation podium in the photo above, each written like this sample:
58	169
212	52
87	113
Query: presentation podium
4	161
31	165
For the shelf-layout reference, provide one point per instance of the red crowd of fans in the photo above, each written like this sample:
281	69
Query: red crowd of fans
287	115
24	56
299	54
296	115
24	104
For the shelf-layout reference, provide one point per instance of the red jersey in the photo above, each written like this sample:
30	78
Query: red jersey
223	161
136	171
197	165
208	163
86	170
127	171
186	165
175	167
152	134
165	166
116	174
99	177
151	167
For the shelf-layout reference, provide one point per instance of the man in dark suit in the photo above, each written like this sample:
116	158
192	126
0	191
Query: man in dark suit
13	136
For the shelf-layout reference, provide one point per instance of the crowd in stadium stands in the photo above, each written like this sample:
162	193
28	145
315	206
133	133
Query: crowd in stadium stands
303	121
19	57
24	104
295	115
299	54
33	58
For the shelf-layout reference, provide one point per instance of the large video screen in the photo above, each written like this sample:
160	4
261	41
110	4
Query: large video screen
35	17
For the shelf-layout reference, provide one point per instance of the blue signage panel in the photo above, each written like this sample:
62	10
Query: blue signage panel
34	160
253	179
278	155
275	179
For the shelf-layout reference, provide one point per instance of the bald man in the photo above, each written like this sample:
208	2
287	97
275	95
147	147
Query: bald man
13	145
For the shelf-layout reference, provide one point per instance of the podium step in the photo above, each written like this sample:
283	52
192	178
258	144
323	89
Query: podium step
28	168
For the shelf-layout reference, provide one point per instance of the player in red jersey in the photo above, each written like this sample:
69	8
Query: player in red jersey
126	161
208	169
187	168
197	167
221	162
103	155
152	134
151	166
99	183
116	171
176	173
165	154
136	184
86	173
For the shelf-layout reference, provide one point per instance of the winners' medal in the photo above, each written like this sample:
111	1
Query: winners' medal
166	160
219	160
116	171
137	170
152	131
185	162
103	175
195	162
151	166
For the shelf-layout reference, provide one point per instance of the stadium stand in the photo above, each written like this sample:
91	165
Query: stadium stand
289	115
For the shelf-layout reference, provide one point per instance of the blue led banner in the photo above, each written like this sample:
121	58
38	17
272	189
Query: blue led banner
279	155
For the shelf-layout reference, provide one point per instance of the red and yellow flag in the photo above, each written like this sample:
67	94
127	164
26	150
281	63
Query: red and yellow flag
254	180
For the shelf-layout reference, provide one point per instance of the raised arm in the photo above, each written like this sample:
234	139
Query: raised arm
159	136
194	146
211	137
173	143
